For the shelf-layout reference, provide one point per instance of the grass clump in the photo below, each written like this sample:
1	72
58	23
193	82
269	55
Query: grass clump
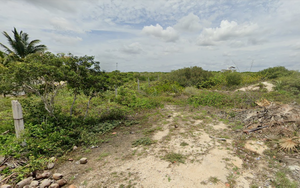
102	155
214	180
283	181
175	157
184	144
145	141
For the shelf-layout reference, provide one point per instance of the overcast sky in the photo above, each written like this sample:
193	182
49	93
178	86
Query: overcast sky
163	35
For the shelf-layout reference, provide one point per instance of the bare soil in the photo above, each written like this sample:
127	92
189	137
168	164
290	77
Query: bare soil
242	160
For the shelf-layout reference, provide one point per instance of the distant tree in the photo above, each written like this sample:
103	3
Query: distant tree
20	44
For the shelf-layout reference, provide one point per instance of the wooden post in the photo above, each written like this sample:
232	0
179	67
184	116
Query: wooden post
138	84
18	117
148	82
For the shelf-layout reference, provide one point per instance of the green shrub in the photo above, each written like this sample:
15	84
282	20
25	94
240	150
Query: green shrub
175	157
221	100
189	76
145	141
233	79
275	72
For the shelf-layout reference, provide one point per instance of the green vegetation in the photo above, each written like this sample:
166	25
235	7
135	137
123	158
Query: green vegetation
70	101
145	141
282	181
174	157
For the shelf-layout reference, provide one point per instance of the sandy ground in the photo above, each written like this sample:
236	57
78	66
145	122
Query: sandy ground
269	86
209	162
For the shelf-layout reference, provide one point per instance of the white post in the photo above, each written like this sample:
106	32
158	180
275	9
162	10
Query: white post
138	81
18	117
116	91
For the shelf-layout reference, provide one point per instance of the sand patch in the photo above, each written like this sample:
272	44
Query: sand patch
256	146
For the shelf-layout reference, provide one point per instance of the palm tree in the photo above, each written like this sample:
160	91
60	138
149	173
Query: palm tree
20	44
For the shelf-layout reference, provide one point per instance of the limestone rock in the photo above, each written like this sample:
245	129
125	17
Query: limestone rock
54	185
50	165
57	176
6	186
83	160
62	182
24	182
45	183
34	184
45	174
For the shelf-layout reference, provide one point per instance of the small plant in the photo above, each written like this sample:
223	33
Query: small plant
282	181
145	141
214	180
175	157
152	130
102	155
184	144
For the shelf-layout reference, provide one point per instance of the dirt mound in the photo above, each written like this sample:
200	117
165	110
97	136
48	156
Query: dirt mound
267	85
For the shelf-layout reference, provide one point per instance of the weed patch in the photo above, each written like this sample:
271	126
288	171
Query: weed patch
174	157
146	141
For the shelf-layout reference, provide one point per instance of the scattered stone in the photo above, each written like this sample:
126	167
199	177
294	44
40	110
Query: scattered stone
70	159
24	182
75	147
54	185
6	186
2	167
45	183
50	166
72	186
52	159
45	174
34	184
62	182
83	160
57	176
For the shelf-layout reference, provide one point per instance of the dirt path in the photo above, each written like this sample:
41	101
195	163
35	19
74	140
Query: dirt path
208	161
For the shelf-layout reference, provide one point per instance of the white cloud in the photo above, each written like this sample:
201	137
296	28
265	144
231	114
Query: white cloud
226	31
65	40
190	23
169	34
61	24
134	48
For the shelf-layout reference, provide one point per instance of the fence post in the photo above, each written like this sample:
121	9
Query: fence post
138	81
148	82
18	117
116	91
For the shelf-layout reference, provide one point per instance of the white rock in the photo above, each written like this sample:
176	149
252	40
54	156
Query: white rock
83	160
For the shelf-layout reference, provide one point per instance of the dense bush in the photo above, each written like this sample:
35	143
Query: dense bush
190	76
274	72
221	100
233	78
157	88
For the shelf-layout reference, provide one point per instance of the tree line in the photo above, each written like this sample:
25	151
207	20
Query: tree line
26	66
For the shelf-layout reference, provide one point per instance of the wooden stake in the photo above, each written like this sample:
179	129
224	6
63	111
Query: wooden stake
18	117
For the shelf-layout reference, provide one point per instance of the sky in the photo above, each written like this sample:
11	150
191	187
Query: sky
163	35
